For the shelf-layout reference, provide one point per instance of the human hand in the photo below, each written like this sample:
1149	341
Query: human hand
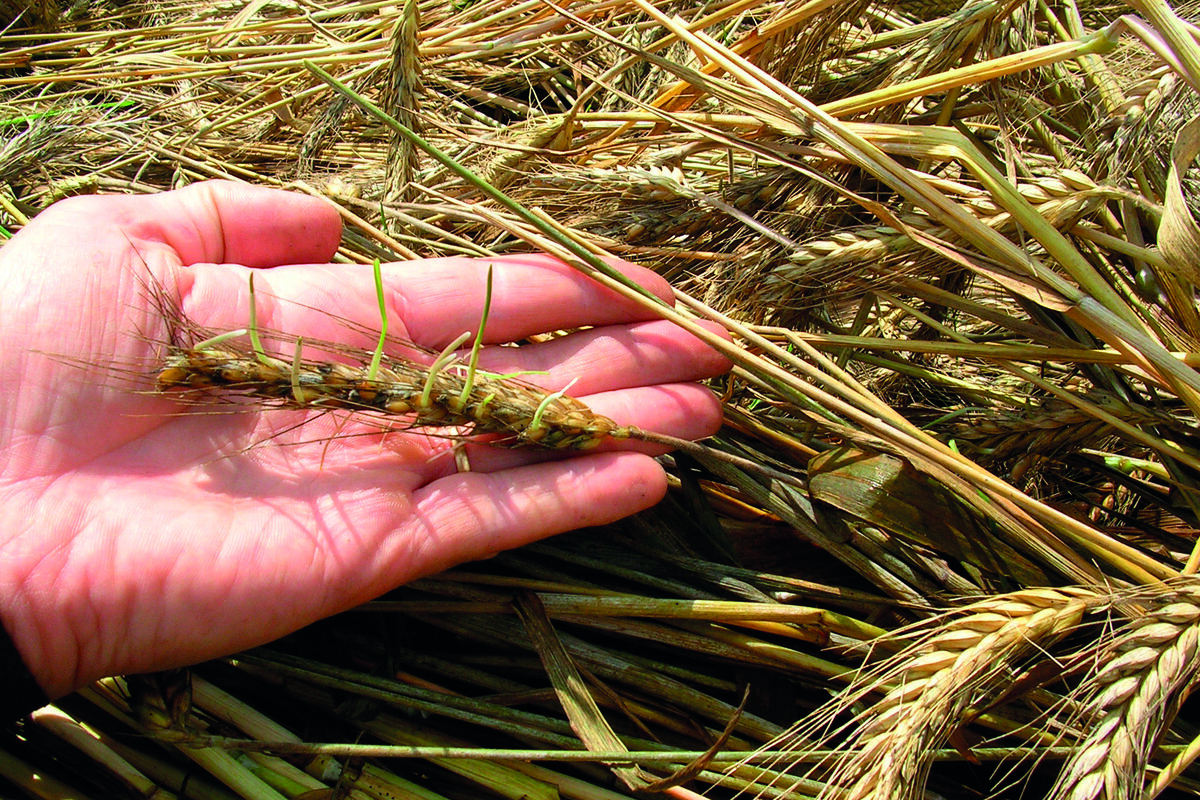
143	533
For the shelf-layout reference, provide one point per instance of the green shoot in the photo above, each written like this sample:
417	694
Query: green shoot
25	119
487	401
510	376
439	364
252	328
546	401
220	337
469	383
296	393
373	370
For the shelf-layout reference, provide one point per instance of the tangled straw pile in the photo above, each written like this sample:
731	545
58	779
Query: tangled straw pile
956	246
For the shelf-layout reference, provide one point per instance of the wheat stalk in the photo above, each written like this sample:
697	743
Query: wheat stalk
931	688
1056	425
402	99
1135	691
870	245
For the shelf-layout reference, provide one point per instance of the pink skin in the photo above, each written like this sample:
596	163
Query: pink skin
141	533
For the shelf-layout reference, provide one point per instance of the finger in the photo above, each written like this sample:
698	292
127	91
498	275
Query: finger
612	357
428	302
227	222
531	294
219	222
475	515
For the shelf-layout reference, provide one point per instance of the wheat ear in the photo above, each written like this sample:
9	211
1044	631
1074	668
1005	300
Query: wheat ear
931	687
1141	680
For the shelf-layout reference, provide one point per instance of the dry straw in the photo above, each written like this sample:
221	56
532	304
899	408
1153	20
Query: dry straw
932	230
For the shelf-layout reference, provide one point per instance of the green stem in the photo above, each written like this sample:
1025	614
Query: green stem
439	364
252	328
475	348
373	370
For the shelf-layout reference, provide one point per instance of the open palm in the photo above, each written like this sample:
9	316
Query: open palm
144	533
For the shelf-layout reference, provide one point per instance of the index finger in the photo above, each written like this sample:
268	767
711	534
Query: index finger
429	302
531	293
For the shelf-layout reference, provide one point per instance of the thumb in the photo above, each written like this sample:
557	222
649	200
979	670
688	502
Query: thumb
214	222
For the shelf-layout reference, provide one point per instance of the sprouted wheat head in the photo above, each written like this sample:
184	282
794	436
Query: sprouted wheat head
430	395
442	393
445	392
